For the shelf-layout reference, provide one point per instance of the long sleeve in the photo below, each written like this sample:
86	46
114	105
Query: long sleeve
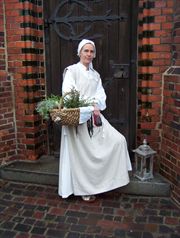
85	114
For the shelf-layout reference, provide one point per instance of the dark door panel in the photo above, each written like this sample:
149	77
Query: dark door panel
111	24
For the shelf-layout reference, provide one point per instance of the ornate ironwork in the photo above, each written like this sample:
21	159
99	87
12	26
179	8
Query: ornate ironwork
69	20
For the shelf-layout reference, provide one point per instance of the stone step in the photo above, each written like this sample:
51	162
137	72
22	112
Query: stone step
45	171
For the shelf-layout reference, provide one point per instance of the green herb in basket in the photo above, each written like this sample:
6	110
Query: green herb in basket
46	105
73	100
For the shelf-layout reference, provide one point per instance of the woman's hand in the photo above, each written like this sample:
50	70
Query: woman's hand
96	117
96	110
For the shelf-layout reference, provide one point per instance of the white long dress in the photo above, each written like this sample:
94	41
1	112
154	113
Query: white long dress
90	165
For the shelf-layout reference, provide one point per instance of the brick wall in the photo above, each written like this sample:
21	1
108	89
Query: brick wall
158	94
23	82
155	38
176	35
170	146
7	116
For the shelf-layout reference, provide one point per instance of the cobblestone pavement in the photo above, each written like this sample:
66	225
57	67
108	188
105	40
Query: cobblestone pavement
36	211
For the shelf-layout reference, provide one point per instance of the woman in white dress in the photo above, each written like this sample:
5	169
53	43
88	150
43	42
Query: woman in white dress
90	163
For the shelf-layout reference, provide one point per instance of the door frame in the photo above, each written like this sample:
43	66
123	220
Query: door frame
134	78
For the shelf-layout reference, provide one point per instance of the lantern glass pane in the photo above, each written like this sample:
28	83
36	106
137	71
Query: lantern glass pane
148	165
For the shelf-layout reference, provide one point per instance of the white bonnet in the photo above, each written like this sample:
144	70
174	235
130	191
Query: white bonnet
84	42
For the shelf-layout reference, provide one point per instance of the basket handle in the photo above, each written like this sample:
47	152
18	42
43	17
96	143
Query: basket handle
60	103
61	99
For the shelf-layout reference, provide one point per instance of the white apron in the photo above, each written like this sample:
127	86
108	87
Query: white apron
91	165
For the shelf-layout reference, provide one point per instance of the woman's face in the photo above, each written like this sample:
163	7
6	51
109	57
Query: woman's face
87	54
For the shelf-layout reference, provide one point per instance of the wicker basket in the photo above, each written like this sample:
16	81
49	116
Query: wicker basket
66	116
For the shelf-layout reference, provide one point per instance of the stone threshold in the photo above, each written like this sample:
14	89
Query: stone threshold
45	171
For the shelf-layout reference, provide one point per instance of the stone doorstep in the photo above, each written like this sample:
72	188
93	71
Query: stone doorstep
45	171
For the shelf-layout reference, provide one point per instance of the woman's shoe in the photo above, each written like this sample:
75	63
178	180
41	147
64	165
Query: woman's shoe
89	198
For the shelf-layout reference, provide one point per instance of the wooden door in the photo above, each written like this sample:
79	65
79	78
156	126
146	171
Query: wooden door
112	25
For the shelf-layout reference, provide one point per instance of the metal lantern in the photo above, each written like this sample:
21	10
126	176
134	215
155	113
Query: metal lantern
144	161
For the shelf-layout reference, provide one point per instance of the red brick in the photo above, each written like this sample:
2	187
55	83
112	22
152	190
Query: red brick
148	125
151	41
170	3
149	69
177	39
162	33
38	215
156	91
113	225
167	25
166	40
12	12
152	12
3	73
162	48
57	211
160	4
151	26
166	11
160	18
160	62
